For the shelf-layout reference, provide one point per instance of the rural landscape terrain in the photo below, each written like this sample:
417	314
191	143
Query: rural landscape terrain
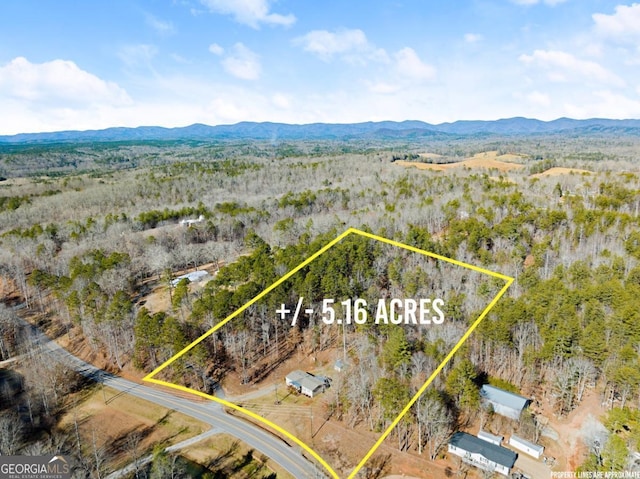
120	248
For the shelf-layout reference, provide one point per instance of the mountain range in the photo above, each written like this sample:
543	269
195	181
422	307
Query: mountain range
334	131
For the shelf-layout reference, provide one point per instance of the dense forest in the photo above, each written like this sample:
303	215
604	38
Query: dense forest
86	229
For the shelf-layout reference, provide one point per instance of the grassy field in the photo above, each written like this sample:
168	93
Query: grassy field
125	425
231	458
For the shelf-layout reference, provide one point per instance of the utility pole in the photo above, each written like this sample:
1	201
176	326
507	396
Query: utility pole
276	388
104	397
344	344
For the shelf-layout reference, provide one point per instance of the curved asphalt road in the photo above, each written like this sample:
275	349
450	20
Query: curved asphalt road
210	413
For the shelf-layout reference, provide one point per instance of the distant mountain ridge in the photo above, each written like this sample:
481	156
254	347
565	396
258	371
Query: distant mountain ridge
335	131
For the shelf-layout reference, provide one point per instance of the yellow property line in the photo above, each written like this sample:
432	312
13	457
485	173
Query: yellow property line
508	280
249	303
430	380
428	253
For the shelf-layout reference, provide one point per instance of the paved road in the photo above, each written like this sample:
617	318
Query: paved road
290	458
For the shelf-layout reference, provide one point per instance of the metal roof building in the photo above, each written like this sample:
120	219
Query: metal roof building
504	402
482	454
486	436
305	383
535	450
193	277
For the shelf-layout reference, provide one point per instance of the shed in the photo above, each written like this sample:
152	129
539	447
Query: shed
485	436
504	402
527	447
482	454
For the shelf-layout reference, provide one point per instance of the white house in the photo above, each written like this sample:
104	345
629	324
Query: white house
305	383
527	447
192	222
504	402
482	454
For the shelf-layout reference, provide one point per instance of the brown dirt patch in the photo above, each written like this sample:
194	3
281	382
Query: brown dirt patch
509	157
529	261
570	450
158	299
424	166
557	171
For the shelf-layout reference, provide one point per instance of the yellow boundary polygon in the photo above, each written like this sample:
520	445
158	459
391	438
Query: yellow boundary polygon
508	280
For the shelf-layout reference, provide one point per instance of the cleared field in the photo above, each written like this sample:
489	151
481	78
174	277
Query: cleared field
124	424
486	160
473	163
558	171
231	458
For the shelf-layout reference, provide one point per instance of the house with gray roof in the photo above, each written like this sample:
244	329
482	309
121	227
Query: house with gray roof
504	402
305	383
482	454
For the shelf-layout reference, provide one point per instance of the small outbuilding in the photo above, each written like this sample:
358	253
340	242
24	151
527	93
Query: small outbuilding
534	450
193	277
482	454
504	402
305	383
485	436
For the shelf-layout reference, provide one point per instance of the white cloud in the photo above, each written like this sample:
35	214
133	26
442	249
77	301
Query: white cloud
564	67
351	45
593	49
607	104
216	49
383	87
160	26
229	109
57	83
249	12
407	73
551	3
410	66
242	63
624	24
538	98
472	37
137	55
179	59
281	101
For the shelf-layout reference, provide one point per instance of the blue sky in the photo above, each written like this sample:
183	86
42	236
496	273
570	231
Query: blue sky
73	64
